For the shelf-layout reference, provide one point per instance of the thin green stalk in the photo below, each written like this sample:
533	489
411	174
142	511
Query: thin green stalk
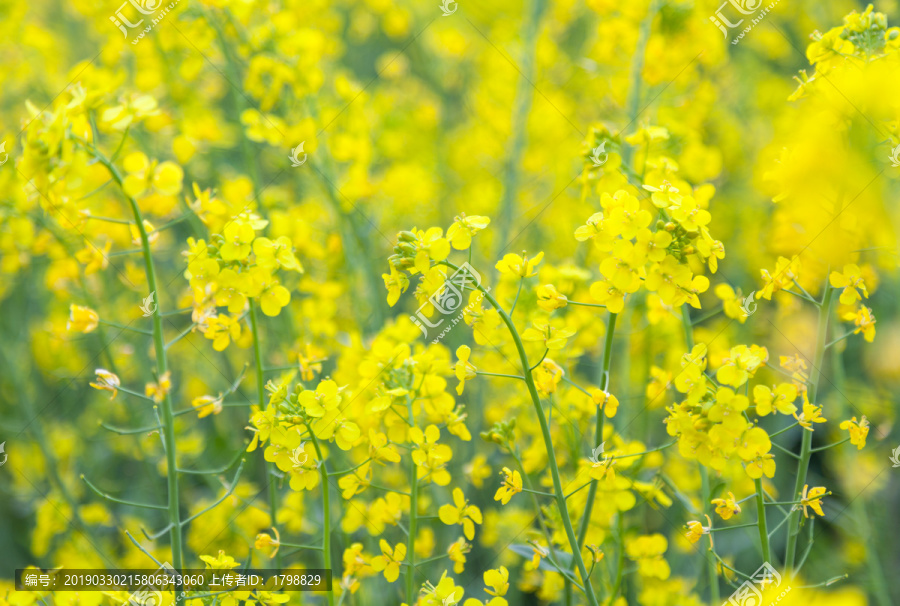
261	395
326	512
413	519
790	552
598	431
548	444
711	571
159	347
761	522
162	366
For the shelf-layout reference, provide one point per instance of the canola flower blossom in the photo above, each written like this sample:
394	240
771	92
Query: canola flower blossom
652	269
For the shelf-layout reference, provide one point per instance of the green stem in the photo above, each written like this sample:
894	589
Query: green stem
159	347
711	572
548	444
806	444
761	522
598	430
413	519
261	395
326	511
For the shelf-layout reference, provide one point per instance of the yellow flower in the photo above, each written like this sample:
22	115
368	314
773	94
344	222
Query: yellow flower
553	338
324	399
851	281
238	235
445	593
160	389
222	330
152	234
864	321
273	254
207	405
220	562
695	531
858	431
512	485
518	266
264	541
780	399
498	581
389	561
726	508
549	299
811	414
396	283
82	319
464	369
457	552
812	498
460	233
94	259
477	470
786	272
461	513
605	401
106	380
547	376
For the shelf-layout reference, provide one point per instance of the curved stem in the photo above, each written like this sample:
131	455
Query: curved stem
168	420
261	394
548	444
598	431
790	552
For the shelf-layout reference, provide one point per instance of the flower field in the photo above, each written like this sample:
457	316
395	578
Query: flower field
449	303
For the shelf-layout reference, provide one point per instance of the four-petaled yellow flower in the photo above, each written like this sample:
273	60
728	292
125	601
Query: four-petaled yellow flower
461	513
519	266
82	319
460	233
858	431
548	298
852	282
389	561
812	498
553	338
512	485
864	320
